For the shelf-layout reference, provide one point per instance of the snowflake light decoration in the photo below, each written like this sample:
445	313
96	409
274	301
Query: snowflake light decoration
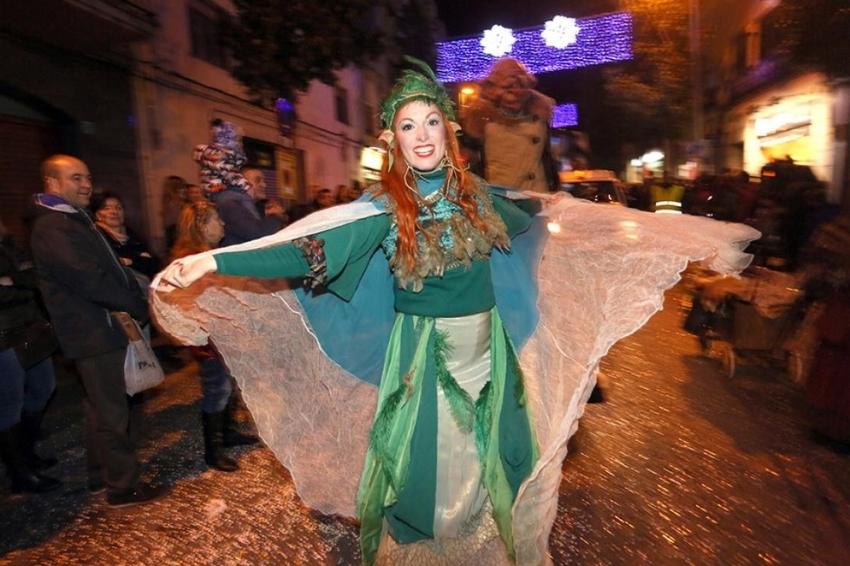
560	32
599	40
497	41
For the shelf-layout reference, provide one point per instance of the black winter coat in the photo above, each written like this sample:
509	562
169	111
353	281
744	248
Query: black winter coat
18	307
81	279
134	250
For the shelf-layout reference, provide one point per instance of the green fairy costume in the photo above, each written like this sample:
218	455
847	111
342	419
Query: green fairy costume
418	391
461	451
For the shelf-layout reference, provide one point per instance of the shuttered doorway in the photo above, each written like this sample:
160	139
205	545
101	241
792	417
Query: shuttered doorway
26	143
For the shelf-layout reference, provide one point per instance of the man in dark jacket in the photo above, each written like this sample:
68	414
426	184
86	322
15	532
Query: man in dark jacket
82	282
225	184
238	210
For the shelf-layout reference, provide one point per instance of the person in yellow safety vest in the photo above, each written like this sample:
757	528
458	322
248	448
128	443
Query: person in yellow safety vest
667	196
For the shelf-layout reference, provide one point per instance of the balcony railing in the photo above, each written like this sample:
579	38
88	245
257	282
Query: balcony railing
79	24
760	75
134	15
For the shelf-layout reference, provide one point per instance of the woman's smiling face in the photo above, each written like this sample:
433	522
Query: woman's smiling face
421	134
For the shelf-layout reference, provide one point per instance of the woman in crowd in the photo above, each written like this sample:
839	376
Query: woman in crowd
194	193
200	229
346	194
455	470
26	371
506	130
108	210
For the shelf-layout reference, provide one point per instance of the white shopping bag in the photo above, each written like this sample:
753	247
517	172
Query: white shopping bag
141	367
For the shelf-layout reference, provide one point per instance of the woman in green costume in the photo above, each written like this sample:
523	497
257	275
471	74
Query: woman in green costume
452	439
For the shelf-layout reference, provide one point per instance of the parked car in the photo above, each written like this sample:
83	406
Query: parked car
596	185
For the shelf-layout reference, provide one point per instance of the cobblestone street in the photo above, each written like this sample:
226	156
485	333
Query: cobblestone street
679	466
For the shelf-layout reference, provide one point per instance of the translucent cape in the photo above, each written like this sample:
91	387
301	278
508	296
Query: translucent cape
601	272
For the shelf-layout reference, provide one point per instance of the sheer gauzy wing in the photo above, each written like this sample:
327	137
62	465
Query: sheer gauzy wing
314	415
601	275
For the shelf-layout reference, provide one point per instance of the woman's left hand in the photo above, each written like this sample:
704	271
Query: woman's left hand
183	272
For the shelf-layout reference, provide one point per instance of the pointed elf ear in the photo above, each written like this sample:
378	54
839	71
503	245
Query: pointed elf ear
454	126
388	137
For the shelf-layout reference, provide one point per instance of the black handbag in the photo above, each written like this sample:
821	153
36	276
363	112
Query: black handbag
32	342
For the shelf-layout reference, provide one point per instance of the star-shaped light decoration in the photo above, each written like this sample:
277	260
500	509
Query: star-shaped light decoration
497	41
560	32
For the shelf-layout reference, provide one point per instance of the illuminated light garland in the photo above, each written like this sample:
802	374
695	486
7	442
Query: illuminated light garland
497	41
603	39
564	116
560	32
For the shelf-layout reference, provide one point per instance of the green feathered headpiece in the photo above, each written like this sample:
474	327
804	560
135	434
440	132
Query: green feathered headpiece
414	85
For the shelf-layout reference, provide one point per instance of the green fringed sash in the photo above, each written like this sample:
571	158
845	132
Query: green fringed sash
506	442
388	455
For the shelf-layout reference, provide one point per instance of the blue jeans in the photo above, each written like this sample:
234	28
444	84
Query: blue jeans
216	385
23	390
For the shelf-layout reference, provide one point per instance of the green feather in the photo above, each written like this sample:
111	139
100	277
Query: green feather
379	438
483	422
414	85
461	405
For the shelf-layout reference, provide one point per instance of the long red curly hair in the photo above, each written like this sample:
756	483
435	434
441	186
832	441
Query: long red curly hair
393	185
190	229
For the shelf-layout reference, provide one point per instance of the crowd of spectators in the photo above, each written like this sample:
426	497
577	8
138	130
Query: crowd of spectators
88	263
786	203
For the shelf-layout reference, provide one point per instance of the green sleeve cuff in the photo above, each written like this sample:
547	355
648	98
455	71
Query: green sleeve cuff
347	248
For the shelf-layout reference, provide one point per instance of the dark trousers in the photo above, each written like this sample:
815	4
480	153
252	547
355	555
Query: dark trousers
23	390
216	386
109	451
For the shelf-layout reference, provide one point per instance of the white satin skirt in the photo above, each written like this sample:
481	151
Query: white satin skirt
460	492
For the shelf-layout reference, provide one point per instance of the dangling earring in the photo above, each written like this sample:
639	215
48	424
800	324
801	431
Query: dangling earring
447	161
409	174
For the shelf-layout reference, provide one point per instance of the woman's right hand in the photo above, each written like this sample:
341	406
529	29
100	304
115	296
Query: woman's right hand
185	271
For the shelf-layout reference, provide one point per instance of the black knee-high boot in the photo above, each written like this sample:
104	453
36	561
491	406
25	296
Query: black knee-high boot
232	435
30	430
24	479
214	454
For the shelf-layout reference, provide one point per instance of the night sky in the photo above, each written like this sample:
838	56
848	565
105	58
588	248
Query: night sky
472	17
